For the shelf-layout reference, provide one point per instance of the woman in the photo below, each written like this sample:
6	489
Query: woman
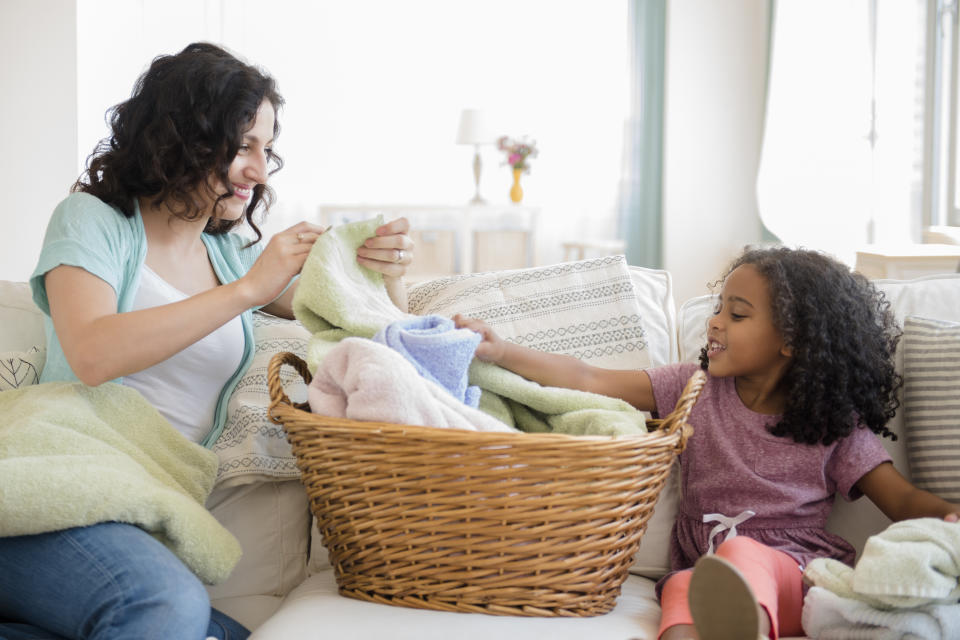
143	285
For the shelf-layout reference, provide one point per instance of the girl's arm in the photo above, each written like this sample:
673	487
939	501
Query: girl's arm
555	370
899	500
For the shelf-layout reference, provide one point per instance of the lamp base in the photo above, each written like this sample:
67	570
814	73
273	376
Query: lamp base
477	200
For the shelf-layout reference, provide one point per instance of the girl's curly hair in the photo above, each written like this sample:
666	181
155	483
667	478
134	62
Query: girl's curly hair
182	126
843	336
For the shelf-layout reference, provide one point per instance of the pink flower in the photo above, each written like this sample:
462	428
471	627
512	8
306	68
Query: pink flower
517	151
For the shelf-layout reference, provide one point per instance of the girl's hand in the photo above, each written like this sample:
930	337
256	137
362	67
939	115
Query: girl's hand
389	251
952	517
492	348
282	258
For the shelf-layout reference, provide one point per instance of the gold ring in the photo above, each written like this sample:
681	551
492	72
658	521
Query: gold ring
399	255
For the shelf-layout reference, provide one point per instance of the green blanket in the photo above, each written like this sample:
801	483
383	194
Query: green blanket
337	298
73	455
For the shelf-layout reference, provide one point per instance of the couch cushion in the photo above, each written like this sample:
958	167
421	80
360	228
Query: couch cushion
21	321
931	404
271	521
315	610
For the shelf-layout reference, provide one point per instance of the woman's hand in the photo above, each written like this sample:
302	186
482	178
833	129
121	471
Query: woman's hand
389	252
281	260
492	347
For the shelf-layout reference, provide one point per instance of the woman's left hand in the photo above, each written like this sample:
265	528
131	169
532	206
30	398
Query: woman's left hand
389	251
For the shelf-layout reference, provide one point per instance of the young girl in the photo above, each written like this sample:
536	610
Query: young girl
799	358
142	284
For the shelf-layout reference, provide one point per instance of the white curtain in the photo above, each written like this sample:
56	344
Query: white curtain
842	144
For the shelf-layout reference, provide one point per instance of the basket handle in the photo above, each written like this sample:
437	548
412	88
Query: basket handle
277	395
677	419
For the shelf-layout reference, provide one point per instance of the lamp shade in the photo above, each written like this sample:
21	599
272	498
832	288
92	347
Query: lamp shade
473	128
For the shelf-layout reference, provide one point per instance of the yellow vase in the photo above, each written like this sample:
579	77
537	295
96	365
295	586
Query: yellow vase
516	192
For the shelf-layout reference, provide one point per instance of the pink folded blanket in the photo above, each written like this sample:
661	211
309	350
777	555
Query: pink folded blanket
360	379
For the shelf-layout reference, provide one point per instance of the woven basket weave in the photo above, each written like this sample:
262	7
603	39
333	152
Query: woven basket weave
499	523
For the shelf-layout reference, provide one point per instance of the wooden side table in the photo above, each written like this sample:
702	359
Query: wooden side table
903	262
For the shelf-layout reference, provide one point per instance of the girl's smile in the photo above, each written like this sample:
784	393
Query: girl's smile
713	348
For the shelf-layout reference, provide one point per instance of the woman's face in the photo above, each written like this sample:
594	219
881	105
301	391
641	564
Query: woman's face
249	166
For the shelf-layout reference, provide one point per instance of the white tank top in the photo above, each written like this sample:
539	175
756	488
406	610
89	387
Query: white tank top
186	386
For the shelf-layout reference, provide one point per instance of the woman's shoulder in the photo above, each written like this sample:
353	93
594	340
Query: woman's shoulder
82	210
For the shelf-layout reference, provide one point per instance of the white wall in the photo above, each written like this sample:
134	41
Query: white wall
715	77
38	123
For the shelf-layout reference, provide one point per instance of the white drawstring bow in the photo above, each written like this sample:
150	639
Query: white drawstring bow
726	523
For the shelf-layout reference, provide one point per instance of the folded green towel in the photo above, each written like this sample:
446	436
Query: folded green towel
337	298
73	455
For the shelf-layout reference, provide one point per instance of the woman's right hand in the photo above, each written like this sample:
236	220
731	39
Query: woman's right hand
492	347
281	260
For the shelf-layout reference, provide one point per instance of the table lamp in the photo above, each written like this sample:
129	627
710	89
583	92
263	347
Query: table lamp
473	130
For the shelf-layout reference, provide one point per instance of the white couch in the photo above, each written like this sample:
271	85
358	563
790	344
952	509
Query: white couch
284	586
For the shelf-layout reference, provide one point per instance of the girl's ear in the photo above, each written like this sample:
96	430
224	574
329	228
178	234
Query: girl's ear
786	351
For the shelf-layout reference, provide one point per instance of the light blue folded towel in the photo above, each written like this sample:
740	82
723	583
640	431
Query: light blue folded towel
438	350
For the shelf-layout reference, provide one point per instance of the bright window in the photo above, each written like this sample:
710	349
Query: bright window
374	90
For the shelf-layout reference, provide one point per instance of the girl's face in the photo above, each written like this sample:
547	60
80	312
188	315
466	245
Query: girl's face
742	340
249	166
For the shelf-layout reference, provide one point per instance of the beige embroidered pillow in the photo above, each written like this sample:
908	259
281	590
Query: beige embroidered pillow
251	447
586	309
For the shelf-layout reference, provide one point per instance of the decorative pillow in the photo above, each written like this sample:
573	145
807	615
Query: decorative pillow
251	447
20	368
586	309
931	403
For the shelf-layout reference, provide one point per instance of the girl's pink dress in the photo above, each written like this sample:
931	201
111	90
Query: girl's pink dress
733	464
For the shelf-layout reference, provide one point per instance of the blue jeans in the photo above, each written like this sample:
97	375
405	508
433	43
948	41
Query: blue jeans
107	581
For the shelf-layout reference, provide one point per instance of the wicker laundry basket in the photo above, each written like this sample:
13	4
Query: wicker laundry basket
499	523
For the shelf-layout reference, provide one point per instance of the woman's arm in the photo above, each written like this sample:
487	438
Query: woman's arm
555	370
899	500
101	344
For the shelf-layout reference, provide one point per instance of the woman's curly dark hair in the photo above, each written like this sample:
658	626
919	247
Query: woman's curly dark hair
182	126
843	336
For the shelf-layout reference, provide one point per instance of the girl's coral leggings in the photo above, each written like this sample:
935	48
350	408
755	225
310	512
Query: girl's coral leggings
775	577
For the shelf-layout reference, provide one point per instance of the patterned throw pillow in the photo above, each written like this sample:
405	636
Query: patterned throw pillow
931	373
251	447
20	368
586	309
